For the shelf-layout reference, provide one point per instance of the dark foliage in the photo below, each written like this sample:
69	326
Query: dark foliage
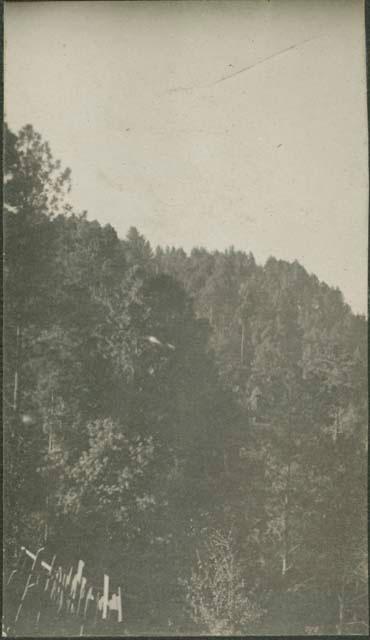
194	424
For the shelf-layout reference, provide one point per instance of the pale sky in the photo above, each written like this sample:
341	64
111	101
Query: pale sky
141	101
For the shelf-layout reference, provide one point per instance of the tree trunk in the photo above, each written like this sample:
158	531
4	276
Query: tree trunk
341	601
242	344
50	430
286	540
18	346
226	462
340	614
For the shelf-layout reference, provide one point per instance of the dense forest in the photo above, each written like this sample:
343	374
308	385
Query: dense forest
196	424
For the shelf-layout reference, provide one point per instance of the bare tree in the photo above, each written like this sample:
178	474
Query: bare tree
216	592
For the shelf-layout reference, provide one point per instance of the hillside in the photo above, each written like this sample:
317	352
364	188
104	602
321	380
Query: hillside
194	424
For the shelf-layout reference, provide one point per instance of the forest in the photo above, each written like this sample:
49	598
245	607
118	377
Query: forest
193	423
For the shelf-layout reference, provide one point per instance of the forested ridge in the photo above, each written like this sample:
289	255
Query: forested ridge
195	424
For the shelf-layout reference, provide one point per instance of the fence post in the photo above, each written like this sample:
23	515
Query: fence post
29	584
105	596
40	591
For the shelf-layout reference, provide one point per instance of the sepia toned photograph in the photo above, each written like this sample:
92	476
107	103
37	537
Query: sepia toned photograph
185	370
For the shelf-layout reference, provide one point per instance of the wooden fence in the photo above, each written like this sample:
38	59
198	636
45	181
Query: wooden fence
42	598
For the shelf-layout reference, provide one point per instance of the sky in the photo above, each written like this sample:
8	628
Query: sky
206	123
